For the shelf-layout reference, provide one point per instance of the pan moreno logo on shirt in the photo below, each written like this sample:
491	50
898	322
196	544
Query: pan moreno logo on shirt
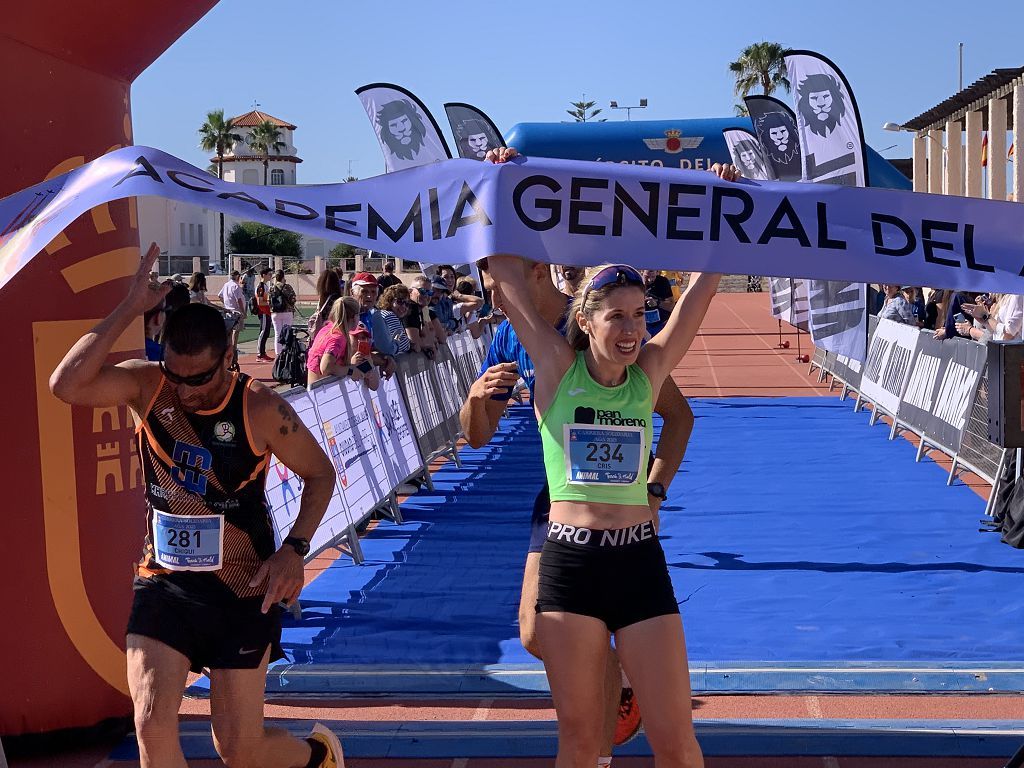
587	415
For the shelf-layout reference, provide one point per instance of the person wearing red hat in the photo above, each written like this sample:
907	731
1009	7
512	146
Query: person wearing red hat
364	289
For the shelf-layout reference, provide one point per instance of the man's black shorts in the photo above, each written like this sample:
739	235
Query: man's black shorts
216	631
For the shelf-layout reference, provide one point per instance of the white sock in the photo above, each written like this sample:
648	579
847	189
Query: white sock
625	680
604	762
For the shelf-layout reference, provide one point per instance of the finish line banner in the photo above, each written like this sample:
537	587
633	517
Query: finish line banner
575	212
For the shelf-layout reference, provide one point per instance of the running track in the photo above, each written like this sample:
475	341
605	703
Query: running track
736	354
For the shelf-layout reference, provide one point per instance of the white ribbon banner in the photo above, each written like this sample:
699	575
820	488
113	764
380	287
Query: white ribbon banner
575	212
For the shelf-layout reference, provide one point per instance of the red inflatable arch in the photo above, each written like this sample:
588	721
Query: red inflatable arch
72	517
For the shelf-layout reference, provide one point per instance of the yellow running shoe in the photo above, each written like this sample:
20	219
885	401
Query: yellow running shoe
335	758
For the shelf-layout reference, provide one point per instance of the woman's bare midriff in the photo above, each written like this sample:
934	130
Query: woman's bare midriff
598	516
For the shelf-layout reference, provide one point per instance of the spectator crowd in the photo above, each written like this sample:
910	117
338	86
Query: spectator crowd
986	317
363	322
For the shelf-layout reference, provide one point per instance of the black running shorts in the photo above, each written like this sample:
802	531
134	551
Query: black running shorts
213	631
619	577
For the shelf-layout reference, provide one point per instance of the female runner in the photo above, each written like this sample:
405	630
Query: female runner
602	569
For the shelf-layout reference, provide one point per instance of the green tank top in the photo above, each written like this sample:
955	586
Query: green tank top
596	439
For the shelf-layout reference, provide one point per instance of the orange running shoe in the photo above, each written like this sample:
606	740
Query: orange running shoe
628	723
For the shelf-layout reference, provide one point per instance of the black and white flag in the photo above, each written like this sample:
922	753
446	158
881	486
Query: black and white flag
831	139
474	131
832	152
747	153
776	129
789	300
407	132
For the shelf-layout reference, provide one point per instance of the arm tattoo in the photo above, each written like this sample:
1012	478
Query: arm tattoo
289	419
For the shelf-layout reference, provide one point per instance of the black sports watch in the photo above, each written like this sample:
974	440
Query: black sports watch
657	490
301	546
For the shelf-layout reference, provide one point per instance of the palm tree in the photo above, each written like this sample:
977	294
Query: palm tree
760	64
215	135
583	110
264	139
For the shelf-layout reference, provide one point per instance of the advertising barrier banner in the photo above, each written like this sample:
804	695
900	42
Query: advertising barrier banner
464	350
284	489
416	378
941	388
847	370
351	433
397	441
447	384
888	365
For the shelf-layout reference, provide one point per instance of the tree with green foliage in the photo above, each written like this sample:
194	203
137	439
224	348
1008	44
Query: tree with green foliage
760	65
216	135
583	110
264	139
253	237
342	254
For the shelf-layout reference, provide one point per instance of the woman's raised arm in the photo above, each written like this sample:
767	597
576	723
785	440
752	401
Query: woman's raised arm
662	353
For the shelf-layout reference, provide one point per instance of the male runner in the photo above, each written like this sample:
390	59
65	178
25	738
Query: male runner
506	361
208	587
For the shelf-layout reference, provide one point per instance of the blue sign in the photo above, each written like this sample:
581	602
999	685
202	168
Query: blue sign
689	144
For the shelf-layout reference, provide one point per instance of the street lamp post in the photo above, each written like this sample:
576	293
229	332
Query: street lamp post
641	105
928	181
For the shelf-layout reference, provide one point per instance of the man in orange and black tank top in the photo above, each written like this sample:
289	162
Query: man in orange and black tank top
210	584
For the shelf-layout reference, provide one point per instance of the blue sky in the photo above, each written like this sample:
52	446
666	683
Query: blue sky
524	62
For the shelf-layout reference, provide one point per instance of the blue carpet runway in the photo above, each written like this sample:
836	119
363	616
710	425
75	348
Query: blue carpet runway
795	533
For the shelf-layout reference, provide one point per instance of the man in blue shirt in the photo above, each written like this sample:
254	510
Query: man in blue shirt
364	289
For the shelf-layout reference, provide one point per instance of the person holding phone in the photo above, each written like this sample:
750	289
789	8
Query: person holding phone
949	309
998	317
362	360
337	350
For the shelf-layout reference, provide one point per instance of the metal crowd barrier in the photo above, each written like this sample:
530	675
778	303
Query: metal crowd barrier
377	441
937	390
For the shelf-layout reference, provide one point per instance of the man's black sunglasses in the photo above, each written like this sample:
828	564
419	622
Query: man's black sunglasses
196	380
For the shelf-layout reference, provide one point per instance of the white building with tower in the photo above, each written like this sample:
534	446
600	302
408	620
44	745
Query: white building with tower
188	232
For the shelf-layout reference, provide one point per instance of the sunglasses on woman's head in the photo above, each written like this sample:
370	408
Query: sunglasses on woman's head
617	274
196	380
